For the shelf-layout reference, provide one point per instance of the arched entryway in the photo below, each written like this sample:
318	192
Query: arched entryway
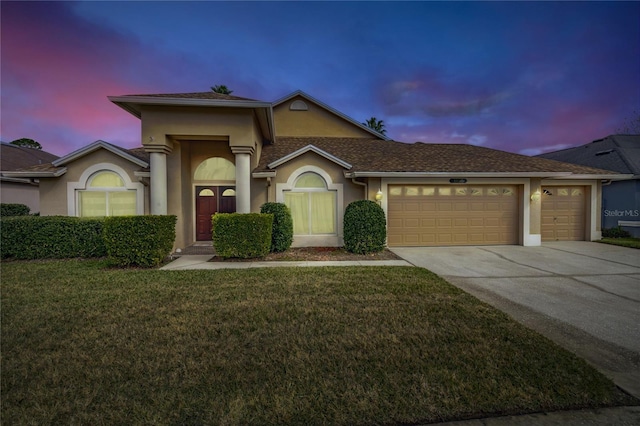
215	192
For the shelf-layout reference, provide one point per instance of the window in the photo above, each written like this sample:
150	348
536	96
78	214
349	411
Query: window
106	195
215	168
312	205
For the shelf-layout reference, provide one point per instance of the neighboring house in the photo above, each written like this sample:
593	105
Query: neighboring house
204	153
21	190
620	199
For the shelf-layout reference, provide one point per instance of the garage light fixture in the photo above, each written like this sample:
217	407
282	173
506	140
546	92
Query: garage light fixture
379	196
535	197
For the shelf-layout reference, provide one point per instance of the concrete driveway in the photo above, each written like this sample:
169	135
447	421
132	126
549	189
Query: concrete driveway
585	296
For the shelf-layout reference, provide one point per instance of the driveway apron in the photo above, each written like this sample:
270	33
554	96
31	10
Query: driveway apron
585	296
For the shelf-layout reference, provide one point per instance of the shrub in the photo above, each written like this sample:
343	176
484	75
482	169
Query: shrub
7	209
616	232
365	228
282	232
139	240
242	235
46	237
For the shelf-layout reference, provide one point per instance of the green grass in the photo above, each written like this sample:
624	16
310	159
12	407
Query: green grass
82	344
624	242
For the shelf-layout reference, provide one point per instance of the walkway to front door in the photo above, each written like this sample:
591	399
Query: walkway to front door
211	200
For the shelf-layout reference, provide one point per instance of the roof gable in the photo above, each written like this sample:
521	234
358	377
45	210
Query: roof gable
134	157
305	149
298	105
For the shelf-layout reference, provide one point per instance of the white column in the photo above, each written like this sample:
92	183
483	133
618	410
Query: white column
243	182
158	184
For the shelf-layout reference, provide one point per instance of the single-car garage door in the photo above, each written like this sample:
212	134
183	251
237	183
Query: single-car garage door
563	213
445	215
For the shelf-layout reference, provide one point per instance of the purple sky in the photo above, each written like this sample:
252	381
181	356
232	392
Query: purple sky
524	77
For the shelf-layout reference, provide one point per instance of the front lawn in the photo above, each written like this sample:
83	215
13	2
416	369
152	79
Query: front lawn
624	242
82	344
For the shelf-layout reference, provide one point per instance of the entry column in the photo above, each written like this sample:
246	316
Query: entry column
158	184
243	178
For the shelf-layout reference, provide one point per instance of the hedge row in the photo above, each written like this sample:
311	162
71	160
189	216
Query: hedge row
242	235
8	209
51	237
139	240
282	234
126	240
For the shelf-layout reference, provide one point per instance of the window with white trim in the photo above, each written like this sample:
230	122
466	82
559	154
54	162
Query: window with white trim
312	205
106	195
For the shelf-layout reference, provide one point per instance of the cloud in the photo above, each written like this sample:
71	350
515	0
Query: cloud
477	140
541	150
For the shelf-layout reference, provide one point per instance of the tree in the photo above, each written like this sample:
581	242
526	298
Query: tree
375	124
222	89
631	125
27	143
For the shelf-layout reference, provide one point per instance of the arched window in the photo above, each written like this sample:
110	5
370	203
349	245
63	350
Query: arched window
312	205
215	168
106	195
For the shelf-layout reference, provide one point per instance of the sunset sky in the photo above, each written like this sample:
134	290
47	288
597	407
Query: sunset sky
524	77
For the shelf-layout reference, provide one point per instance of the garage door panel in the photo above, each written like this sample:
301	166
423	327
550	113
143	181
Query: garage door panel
453	215
563	216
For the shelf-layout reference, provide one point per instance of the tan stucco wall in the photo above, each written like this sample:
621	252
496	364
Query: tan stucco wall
161	125
316	121
535	207
20	193
53	191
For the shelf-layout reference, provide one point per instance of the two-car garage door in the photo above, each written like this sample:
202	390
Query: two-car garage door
449	215
432	215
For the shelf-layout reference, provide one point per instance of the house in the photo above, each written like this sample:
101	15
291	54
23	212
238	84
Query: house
21	190
204	153
620	199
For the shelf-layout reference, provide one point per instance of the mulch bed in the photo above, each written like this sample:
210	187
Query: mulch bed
314	254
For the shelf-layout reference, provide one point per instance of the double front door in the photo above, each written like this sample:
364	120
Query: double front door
211	200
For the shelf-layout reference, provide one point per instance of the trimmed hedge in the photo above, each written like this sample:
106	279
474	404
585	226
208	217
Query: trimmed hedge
282	233
7	209
242	235
616	232
365	227
139	240
51	237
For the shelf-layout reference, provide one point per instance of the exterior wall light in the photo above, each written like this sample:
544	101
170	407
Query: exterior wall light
535	197
379	196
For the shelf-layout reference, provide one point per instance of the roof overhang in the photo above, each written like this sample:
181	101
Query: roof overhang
263	110
262	175
94	147
309	148
25	174
601	177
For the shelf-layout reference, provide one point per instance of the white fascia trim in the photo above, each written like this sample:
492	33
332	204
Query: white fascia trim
605	177
330	109
456	174
142	174
95	146
259	175
26	174
306	149
152	100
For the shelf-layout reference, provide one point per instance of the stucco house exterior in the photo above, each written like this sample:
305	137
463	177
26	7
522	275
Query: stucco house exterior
206	152
620	199
21	190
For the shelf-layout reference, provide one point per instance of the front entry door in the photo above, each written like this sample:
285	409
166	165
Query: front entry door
206	206
211	200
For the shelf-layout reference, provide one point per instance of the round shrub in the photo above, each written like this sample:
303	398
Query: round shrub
365	227
617	232
14	210
282	235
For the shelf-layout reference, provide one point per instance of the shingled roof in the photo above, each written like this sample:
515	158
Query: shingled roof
194	95
376	156
13	157
616	152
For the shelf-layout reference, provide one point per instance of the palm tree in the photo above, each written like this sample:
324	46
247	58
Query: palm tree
375	124
222	89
